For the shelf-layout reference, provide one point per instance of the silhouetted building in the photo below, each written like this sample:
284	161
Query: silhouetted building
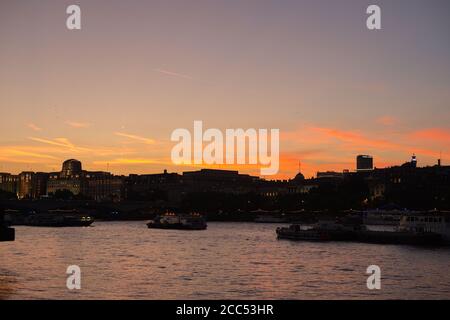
299	178
74	184
25	185
96	185
70	168
8	182
211	180
412	163
153	187
330	174
364	163
103	186
407	185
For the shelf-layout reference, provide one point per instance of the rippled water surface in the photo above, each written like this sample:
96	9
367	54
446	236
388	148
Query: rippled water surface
126	260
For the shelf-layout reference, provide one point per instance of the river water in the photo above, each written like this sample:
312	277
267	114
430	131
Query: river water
126	260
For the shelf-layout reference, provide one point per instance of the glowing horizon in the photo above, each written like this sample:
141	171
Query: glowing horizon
110	94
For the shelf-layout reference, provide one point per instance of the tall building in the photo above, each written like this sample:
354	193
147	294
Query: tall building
31	185
96	185
364	163
25	186
71	168
8	182
414	161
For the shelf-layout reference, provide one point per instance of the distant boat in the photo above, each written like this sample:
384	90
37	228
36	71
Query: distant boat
168	220
53	218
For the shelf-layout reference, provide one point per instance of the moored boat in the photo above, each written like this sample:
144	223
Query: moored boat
322	231
52	218
168	220
399	237
433	222
407	233
295	232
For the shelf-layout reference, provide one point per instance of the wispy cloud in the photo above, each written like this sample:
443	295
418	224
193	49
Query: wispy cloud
354	139
34	127
386	121
62	146
433	134
132	161
60	142
173	74
16	152
135	137
77	125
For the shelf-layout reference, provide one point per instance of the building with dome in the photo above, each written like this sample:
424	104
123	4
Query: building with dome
96	185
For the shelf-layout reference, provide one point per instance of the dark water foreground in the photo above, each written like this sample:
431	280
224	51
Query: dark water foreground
126	260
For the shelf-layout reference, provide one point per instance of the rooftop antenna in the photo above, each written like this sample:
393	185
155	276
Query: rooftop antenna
299	166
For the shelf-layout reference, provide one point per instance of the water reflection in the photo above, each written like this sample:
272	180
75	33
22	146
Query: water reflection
126	260
8	284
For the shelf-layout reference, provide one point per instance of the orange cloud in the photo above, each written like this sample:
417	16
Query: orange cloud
34	127
433	134
354	139
65	146
78	125
60	142
131	161
14	153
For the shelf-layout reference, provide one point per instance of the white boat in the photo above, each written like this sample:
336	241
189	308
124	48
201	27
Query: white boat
428	222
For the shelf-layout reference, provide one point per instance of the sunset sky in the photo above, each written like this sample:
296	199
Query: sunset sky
111	94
